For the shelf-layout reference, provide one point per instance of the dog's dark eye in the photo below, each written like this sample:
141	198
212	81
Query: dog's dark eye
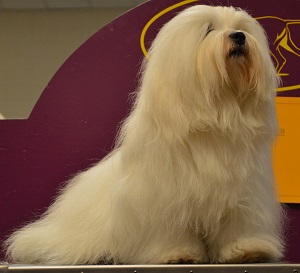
237	9
209	29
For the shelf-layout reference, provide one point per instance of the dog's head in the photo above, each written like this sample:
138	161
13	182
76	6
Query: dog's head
209	67
233	52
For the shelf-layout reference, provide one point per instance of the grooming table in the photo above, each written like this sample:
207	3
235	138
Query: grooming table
228	268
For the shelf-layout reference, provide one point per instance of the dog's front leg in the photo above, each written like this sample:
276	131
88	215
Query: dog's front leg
246	237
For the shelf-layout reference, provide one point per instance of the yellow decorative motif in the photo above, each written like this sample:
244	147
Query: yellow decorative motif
284	42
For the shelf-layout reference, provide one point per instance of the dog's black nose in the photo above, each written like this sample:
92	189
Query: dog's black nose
238	37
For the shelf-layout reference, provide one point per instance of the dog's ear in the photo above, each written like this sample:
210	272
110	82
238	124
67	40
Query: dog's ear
262	72
167	82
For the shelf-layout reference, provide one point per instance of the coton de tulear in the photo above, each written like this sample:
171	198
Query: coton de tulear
190	179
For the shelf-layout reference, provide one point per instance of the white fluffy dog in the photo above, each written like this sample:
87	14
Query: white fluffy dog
191	179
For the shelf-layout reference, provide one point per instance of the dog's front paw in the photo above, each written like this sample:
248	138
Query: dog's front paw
251	250
184	258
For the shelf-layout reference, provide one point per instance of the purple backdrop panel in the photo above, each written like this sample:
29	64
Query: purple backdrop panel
74	123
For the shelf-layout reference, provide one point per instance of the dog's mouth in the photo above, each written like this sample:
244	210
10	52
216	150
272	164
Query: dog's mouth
237	51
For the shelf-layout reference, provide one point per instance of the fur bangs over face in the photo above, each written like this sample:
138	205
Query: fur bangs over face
192	83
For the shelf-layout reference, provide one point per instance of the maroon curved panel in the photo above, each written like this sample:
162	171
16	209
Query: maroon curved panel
74	123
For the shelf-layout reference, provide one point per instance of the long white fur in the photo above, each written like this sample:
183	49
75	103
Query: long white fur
191	177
